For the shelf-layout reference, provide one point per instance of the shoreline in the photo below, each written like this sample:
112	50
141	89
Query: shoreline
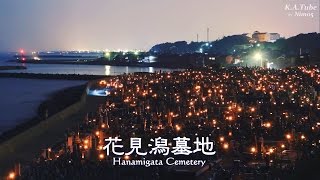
27	143
9	67
51	76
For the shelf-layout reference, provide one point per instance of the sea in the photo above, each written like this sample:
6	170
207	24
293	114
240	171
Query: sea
20	98
76	69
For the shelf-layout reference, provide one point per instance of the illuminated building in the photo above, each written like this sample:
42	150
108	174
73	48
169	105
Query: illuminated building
273	37
260	37
265	37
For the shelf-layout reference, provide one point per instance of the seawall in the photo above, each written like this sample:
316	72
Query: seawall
28	144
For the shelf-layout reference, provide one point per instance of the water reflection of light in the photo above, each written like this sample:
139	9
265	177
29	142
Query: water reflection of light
151	70
98	92
127	69
107	70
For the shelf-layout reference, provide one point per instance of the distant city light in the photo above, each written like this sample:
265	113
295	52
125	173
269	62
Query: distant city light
152	59
36	58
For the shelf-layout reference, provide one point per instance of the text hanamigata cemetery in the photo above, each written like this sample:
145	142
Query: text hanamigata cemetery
159	146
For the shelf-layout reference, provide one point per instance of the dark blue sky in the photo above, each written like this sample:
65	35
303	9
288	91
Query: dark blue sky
139	24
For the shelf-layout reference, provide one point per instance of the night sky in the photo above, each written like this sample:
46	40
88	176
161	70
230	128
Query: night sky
138	24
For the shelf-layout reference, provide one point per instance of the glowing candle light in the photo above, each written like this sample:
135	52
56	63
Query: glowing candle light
225	146
126	157
12	175
288	136
101	156
253	149
271	150
267	125
221	139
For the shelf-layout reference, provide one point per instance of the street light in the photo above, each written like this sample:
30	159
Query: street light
107	55
258	56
